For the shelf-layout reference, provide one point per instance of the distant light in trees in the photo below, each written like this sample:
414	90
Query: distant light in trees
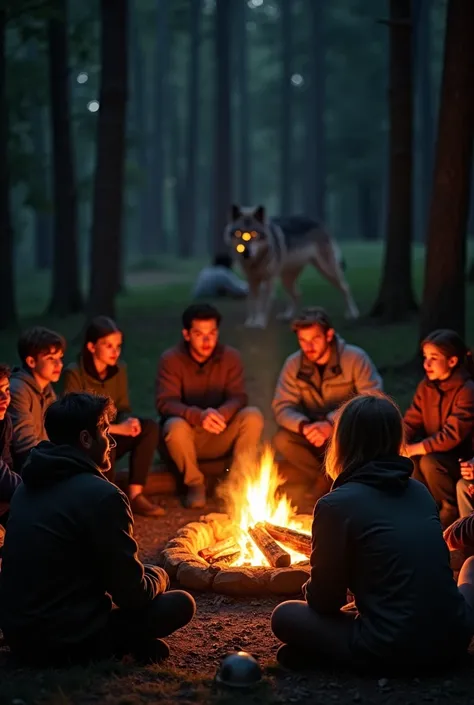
82	77
93	106
297	79
255	3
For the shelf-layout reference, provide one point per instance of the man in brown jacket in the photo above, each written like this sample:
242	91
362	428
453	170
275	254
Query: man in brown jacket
202	402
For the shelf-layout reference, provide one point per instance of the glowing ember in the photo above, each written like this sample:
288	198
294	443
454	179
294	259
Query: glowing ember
251	495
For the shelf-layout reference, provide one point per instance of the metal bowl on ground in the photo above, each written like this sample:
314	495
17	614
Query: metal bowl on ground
239	670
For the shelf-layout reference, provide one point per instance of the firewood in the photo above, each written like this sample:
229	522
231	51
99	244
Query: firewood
224	560
292	538
218	548
275	555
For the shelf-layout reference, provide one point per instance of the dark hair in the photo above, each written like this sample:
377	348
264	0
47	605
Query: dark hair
450	344
367	427
4	371
39	340
76	412
223	260
99	327
312	316
200	312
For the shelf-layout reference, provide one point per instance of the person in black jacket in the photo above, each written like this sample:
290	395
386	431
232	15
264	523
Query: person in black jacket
9	480
72	587
376	533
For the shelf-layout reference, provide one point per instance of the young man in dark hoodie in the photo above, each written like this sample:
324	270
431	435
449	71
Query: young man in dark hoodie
202	401
9	480
41	353
72	530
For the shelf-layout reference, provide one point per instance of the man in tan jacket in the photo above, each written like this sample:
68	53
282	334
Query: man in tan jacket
313	382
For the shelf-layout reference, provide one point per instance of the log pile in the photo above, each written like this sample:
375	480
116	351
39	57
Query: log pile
201	557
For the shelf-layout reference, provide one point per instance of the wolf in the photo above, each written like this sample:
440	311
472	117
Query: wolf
268	248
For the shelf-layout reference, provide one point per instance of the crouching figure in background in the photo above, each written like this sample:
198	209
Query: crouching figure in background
378	534
72	588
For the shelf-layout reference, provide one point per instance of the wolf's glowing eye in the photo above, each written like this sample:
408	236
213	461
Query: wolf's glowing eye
240	248
246	236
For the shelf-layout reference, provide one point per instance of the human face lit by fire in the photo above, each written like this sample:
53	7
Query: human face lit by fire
106	351
4	396
47	366
202	338
98	448
437	365
315	343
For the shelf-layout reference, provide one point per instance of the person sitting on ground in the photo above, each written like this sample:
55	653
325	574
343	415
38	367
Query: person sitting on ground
378	534
72	587
313	382
202	402
219	280
41	352
439	424
9	480
98	370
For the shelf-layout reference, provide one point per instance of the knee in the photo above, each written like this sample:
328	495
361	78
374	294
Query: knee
462	489
251	416
281	441
183	607
150	430
283	619
176	429
427	463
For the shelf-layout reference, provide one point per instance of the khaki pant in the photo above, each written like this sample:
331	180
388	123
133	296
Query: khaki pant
186	445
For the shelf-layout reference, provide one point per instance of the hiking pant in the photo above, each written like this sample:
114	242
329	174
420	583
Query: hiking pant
126	632
142	449
187	444
465	500
440	473
306	462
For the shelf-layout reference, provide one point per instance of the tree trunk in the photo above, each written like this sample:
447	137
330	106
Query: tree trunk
424	105
188	230
110	164
445	286
66	291
156	176
286	180
396	299
222	126
147	243
315	123
8	312
367	209
244	158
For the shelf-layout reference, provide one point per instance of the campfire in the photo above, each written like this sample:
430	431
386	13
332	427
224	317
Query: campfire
260	544
267	531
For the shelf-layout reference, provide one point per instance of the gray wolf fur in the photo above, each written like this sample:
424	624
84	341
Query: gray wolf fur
281	247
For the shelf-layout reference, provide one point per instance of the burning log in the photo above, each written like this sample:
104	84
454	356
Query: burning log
219	549
223	560
292	538
275	555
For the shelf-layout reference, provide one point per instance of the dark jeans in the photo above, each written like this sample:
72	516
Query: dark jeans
126	631
440	473
304	463
142	449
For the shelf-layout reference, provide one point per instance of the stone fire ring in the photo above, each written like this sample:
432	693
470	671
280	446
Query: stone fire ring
181	561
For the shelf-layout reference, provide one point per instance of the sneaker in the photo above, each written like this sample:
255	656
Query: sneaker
196	497
143	507
151	651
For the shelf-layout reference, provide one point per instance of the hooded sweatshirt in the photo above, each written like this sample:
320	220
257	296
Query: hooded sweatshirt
27	409
69	553
377	532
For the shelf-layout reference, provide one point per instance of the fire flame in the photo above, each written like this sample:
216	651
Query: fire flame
251	496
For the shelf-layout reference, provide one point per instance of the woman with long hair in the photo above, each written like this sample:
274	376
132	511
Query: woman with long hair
439	424
98	370
377	534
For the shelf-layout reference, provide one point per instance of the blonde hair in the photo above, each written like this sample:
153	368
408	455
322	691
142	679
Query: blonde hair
368	427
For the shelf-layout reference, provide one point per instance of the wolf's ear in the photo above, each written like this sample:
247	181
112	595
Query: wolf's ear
259	214
235	212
